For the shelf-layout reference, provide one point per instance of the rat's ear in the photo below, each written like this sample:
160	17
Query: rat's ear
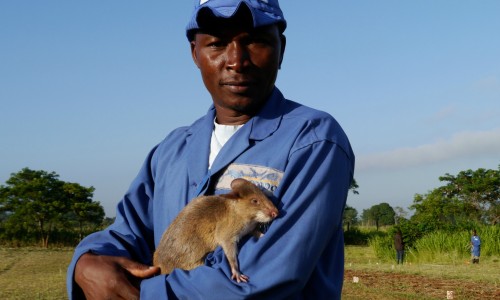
236	188
238	184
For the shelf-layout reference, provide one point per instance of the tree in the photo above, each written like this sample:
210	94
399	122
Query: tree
354	186
435	210
82	209
399	214
350	216
478	190
469	198
38	201
381	214
34	198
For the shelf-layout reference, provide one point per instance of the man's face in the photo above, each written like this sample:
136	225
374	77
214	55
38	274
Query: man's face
238	66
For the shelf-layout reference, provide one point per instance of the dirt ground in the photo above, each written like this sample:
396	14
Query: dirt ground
385	285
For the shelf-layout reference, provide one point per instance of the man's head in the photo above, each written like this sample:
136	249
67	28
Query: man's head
238	47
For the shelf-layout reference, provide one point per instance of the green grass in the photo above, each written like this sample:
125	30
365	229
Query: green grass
440	246
364	258
33	273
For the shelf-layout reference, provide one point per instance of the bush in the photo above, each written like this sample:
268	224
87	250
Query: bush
438	246
360	236
356	237
383	246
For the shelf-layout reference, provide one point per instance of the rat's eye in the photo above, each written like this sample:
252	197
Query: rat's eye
255	201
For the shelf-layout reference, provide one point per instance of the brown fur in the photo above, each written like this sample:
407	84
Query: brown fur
211	221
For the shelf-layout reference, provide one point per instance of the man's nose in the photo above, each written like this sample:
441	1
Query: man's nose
237	56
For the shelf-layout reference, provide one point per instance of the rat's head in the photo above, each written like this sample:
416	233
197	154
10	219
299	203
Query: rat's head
251	200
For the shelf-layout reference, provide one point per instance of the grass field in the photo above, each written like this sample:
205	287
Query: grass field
378	280
33	273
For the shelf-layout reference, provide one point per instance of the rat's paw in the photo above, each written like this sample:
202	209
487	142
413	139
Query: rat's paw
257	233
240	277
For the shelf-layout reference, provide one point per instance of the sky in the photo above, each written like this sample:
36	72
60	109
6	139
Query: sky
87	88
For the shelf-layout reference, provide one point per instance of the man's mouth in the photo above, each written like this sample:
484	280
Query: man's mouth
238	86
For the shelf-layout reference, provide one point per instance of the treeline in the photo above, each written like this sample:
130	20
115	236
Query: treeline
466	201
36	207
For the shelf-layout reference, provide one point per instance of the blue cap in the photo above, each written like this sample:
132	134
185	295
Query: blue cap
264	12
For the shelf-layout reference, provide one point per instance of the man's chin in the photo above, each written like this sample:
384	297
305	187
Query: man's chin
247	105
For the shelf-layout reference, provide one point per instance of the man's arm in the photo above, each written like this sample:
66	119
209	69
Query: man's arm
104	262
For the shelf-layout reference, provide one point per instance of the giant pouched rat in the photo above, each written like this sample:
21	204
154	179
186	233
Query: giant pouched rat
211	221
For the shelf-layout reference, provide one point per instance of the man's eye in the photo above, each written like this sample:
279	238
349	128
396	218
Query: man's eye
260	41
217	44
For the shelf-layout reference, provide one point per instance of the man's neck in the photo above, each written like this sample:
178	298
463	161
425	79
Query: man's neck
232	119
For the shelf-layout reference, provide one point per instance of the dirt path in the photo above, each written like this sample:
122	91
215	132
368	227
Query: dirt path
385	285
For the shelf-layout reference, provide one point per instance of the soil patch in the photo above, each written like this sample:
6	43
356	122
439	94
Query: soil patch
391	285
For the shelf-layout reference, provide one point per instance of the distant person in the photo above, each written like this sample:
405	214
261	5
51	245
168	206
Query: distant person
400	247
475	243
300	155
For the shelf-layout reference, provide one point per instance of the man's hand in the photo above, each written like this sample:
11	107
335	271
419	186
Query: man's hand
110	277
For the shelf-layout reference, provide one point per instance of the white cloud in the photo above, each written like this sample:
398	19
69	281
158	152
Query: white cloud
468	144
443	114
488	83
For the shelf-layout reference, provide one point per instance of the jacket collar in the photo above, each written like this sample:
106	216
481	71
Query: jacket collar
261	126
267	121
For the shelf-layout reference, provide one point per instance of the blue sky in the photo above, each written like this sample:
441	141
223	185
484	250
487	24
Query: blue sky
87	88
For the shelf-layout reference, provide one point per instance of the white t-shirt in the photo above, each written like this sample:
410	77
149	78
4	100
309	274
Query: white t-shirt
220	135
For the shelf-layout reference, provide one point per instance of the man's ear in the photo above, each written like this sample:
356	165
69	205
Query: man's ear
193	52
283	46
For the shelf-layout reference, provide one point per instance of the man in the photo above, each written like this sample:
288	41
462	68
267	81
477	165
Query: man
475	243
400	246
300	155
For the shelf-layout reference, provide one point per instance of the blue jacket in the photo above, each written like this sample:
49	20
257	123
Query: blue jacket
299	154
476	245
